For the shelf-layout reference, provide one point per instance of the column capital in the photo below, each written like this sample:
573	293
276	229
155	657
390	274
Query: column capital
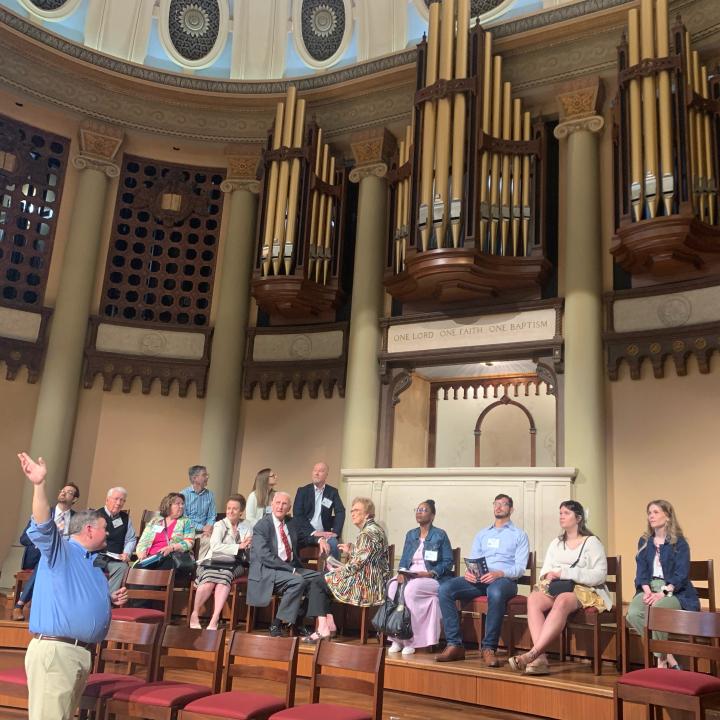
580	104
373	151
242	165
99	148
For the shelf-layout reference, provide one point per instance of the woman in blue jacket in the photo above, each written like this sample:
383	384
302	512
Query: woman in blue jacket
663	572
426	561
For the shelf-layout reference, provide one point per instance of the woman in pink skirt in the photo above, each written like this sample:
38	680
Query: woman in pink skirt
426	562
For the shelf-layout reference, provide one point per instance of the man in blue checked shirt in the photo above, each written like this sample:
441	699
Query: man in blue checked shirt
505	548
70	612
200	504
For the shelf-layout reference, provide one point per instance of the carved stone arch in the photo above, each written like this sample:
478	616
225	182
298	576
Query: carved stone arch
505	400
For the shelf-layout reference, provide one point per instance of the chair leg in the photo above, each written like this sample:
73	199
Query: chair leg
618	707
511	635
250	619
597	653
363	625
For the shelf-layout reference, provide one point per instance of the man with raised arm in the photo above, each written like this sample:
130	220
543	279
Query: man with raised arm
71	609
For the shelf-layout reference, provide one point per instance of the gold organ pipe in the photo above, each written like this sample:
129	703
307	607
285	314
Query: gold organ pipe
665	107
647	52
484	158
320	227
691	124
406	193
505	195
399	210
315	201
495	165
526	186
442	140
636	191
516	179
283	178
699	130
709	154
459	106
287	248
428	135
328	223
271	191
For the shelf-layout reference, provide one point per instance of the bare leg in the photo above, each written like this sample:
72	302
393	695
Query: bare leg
221	595
325	625
563	606
202	595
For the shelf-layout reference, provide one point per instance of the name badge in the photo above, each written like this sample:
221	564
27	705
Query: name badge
327	502
117	522
493	543
431	555
268	510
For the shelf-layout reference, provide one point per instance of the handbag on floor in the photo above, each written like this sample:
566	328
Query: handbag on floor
393	617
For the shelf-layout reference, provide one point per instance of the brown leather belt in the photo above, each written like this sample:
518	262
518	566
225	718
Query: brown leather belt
68	640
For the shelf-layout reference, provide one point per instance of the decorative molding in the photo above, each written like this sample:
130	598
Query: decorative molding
242	168
51	10
592	124
17	349
99	148
401	382
580	99
155	358
373	150
299	373
375	170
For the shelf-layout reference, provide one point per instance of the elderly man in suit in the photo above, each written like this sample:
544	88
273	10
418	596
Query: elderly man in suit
275	568
319	509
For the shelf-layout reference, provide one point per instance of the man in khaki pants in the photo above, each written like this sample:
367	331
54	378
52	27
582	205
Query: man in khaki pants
71	607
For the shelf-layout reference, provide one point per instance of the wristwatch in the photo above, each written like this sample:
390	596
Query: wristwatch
666	591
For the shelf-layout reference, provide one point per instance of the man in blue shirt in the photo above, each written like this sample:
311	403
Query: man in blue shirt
200	503
71	608
505	548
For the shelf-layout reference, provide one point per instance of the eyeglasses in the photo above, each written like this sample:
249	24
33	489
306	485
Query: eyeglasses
501	504
422	510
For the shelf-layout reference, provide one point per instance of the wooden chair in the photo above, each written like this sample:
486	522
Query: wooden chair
250	706
702	576
659	688
596	619
312	558
148	585
345	661
199	651
233	604
131	643
516	607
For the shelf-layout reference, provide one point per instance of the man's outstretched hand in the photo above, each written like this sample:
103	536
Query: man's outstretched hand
34	471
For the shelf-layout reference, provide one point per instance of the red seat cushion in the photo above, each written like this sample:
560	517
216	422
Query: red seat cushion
325	711
480	604
682	681
237	705
166	693
107	684
14	676
148	615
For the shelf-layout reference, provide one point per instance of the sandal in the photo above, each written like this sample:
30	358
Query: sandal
519	663
539	669
315	638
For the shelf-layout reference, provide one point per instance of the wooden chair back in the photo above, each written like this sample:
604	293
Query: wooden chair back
202	651
312	558
132	643
686	623
146	517
155	585
263	648
530	576
391	557
456	561
703	571
614	584
353	659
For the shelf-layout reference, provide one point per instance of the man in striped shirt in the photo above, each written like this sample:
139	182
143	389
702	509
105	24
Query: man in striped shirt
200	503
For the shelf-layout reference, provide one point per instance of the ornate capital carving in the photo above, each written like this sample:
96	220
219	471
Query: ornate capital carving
99	148
373	151
580	98
593	124
242	166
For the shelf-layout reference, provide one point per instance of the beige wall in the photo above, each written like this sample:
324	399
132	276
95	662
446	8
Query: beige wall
410	438
665	445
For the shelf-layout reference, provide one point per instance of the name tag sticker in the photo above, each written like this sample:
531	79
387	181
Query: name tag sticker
493	543
327	502
268	510
431	555
117	522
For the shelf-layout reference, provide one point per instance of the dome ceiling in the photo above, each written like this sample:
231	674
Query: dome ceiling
247	39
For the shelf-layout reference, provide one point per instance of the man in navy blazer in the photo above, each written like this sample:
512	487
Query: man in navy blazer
318	509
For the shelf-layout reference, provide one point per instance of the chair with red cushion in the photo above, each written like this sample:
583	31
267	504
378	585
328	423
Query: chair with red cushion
238	705
346	662
13	684
596	619
148	585
659	688
129	643
200	651
516	607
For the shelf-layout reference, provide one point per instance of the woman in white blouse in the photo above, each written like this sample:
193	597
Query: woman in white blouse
259	500
572	576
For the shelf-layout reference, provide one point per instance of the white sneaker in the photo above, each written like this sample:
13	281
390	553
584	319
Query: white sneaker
396	647
407	650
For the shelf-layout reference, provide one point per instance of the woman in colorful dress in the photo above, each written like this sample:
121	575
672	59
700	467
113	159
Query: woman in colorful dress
169	533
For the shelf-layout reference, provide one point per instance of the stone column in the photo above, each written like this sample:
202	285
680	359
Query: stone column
372	151
99	147
579	128
224	387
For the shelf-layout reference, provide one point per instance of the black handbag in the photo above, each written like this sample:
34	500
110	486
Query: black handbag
558	587
393	617
183	562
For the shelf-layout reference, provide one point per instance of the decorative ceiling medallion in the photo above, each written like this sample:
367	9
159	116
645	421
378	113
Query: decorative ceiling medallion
48	5
193	27
323	27
480	7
